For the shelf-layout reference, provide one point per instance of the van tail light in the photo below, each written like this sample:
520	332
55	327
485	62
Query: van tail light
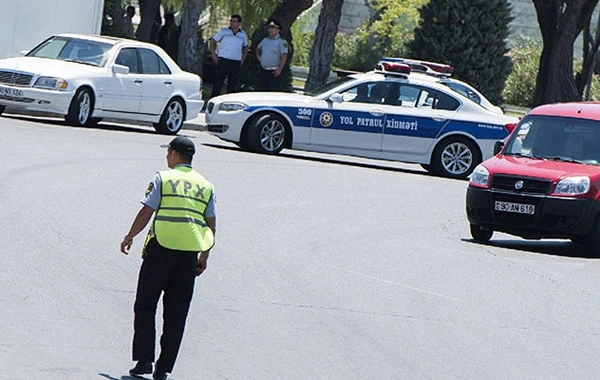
510	127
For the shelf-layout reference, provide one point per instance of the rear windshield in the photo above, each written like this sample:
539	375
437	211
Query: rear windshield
556	138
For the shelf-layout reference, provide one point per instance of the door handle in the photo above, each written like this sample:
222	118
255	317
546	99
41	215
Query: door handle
138	81
439	119
168	82
377	113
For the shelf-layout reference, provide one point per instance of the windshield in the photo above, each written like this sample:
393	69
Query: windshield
328	86
556	138
73	50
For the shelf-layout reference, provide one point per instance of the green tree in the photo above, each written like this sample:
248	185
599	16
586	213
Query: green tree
469	35
392	24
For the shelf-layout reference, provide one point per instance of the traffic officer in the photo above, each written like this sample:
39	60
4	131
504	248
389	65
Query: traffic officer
233	48
272	53
184	225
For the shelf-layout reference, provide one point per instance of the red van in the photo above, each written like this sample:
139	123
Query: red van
544	181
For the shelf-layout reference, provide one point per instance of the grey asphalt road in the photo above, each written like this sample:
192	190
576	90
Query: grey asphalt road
326	267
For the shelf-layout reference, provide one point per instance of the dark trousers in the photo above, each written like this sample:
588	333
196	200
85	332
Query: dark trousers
226	68
268	81
172	273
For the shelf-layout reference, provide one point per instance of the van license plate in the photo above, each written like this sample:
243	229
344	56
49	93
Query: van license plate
519	208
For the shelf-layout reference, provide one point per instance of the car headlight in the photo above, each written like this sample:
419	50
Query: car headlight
480	176
573	186
51	83
232	106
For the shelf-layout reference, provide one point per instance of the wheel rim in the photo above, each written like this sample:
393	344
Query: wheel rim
174	116
84	107
272	135
457	158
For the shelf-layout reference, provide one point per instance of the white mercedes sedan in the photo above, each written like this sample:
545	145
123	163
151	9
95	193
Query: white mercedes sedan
87	78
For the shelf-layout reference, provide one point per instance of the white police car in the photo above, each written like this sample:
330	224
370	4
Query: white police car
384	114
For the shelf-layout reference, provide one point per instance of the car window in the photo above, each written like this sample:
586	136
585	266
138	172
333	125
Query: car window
464	91
328	86
560	138
368	92
149	61
443	101
73	50
128	57
164	69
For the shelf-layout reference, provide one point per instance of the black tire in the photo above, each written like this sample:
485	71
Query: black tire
95	120
2	108
81	108
592	241
480	234
172	118
429	168
455	157
267	134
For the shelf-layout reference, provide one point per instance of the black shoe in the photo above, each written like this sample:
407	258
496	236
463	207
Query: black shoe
141	368
159	375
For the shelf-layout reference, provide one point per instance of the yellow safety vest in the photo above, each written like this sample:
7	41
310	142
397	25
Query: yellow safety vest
179	222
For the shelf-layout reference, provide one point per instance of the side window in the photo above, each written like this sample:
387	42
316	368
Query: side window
445	102
464	91
164	69
409	96
128	57
149	61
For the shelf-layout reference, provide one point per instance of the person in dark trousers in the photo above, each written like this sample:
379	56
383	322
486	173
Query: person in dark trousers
233	48
175	253
272	53
168	36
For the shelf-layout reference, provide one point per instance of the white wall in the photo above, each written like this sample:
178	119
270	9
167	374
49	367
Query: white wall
25	23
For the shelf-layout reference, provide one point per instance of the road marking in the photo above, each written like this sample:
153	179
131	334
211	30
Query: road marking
395	283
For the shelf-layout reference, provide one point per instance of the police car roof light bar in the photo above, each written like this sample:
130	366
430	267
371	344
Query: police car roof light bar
418	65
394	68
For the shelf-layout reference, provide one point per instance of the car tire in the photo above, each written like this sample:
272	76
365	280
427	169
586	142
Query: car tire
429	168
455	157
95	120
592	241
172	118
267	134
2	108
81	108
480	234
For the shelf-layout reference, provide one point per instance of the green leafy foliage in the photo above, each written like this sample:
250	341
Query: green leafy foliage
469	35
520	84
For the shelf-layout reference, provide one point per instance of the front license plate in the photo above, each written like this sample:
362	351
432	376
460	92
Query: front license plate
519	208
12	92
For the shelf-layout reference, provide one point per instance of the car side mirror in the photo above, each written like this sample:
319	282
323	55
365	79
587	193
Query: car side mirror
336	98
120	69
498	147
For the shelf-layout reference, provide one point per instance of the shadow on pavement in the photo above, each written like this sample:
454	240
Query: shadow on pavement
564	248
334	161
124	377
106	125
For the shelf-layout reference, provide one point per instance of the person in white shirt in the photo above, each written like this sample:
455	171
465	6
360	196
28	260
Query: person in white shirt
233	48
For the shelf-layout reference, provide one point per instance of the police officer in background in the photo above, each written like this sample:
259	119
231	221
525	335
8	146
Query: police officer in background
272	53
233	48
184	225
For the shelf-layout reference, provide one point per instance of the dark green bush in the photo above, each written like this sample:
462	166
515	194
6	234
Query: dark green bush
469	35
